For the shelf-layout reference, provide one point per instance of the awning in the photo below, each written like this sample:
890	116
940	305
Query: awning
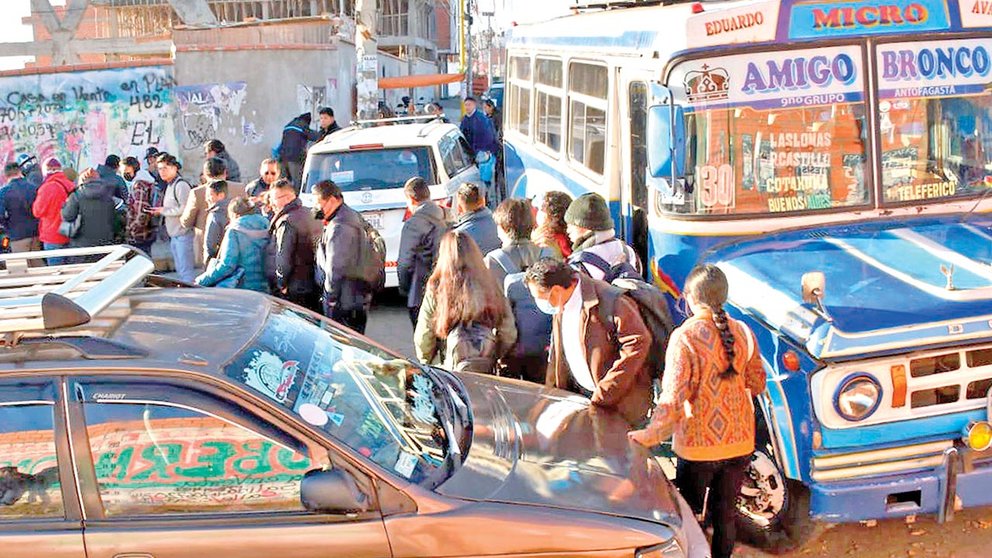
427	80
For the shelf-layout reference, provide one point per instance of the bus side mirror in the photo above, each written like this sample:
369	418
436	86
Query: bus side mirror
666	141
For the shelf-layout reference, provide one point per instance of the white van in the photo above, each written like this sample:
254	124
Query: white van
371	163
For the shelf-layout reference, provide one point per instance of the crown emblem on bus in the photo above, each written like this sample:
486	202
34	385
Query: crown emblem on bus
707	85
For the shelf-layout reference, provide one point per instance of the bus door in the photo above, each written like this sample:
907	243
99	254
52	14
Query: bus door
632	94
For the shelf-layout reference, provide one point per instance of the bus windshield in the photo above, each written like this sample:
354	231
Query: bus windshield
935	120
777	132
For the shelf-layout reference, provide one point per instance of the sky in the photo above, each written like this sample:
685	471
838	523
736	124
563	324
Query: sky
12	30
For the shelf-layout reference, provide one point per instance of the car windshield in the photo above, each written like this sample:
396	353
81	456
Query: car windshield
772	133
934	120
371	169
384	407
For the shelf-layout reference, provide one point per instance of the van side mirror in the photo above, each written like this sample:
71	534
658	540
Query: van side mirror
666	141
813	283
332	491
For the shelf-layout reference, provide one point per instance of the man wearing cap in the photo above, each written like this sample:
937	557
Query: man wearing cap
48	207
151	163
29	168
16	218
590	228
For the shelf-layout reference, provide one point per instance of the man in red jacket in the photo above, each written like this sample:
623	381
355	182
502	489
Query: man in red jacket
48	207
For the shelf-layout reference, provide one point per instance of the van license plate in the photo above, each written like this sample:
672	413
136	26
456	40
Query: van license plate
374	219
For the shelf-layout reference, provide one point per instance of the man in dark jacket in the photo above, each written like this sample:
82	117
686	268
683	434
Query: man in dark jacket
478	129
16	218
344	300
419	241
293	149
476	219
268	174
108	173
216	224
93	203
216	148
30	169
328	125
294	235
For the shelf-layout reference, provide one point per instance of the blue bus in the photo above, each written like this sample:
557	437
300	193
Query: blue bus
834	158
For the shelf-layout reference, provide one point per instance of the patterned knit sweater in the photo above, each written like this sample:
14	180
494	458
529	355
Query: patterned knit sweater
713	418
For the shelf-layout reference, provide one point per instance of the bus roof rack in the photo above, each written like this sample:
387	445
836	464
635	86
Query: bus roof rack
62	296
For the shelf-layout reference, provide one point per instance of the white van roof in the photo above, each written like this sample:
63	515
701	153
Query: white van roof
393	135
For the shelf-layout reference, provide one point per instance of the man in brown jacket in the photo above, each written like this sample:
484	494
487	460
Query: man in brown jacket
605	362
195	212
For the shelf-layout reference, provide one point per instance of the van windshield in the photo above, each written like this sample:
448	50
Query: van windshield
773	133
371	169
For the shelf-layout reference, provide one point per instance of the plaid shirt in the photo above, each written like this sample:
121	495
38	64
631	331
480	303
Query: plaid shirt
140	227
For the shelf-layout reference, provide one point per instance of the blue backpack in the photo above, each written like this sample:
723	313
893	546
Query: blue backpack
533	326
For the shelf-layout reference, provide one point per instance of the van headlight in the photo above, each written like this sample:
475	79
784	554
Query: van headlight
670	549
858	396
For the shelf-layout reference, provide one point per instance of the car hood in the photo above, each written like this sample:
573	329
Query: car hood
544	447
886	284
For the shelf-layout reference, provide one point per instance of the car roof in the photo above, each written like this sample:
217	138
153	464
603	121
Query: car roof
179	328
394	135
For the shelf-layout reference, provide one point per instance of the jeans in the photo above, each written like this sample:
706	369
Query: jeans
184	257
722	480
50	246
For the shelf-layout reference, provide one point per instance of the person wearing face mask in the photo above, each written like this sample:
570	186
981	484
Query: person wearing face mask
589	355
140	229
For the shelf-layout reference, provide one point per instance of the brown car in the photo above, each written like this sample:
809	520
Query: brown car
149	421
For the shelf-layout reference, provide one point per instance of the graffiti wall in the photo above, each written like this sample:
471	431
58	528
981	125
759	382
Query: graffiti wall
213	110
81	117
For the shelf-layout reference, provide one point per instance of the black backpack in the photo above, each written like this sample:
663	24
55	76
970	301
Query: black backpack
651	303
370	266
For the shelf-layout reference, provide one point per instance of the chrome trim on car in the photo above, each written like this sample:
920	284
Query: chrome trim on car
879	462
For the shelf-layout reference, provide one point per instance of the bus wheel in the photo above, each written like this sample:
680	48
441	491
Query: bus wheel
772	511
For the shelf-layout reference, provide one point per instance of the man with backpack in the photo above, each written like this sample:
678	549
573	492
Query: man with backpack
597	250
419	241
350	259
528	358
600	345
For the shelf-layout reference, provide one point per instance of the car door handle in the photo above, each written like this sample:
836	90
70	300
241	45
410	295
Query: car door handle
134	555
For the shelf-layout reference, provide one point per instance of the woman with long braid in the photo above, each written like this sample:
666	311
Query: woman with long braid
712	370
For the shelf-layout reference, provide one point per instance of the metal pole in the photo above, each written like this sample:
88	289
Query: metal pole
411	48
367	54
468	47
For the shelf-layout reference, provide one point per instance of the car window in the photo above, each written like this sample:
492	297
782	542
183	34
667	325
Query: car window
447	149
371	169
465	153
380	405
29	479
158	458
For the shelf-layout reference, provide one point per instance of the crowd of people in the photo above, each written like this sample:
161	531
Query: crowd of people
545	294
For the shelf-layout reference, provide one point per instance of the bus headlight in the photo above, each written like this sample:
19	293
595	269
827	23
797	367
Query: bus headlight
978	435
857	397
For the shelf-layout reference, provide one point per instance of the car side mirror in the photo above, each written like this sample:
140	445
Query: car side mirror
813	283
665	136
332	491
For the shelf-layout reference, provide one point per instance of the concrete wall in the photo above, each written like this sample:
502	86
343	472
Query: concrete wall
245	97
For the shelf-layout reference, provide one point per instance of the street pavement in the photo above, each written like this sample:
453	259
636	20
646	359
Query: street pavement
969	535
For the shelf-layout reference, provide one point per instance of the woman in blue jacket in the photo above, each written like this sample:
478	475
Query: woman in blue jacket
242	252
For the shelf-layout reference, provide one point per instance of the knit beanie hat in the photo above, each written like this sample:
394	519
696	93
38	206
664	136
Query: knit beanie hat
589	211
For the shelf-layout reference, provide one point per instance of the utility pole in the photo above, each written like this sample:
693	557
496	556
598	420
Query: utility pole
468	47
413	7
367	52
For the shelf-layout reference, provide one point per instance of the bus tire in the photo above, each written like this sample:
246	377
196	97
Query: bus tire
772	510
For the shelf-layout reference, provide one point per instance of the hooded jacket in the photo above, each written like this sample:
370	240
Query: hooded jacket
93	202
243	246
47	207
16	199
110	176
140	224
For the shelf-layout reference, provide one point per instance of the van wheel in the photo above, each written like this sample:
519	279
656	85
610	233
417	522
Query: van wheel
772	511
